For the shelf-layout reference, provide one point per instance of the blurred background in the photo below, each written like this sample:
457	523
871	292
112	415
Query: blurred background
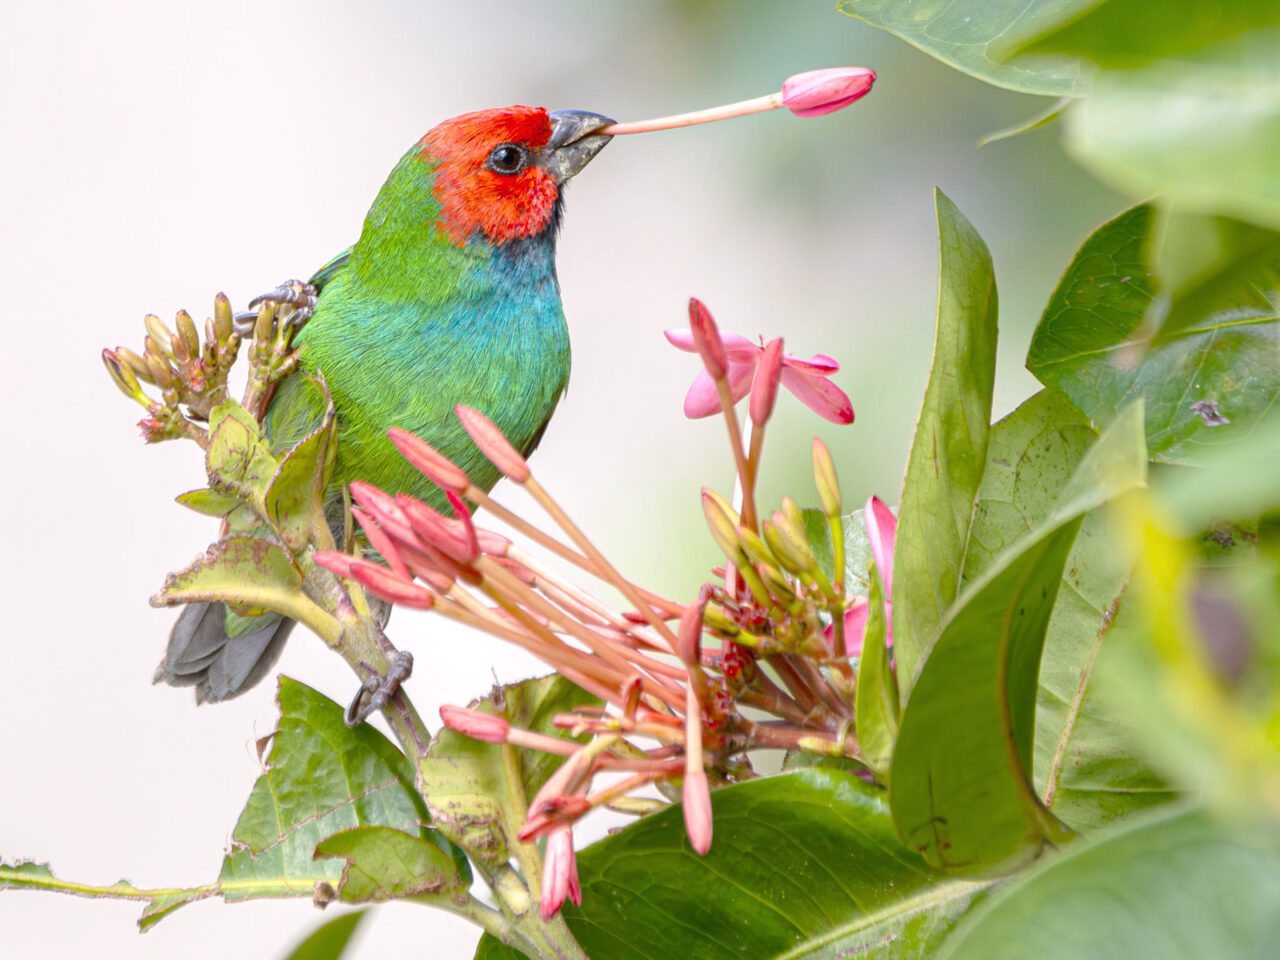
160	152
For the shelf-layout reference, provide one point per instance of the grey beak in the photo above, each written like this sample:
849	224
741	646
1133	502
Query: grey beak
573	143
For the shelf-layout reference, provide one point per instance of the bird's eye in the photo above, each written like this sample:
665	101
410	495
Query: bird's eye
507	158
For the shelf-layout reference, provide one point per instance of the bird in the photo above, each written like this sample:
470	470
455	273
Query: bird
449	296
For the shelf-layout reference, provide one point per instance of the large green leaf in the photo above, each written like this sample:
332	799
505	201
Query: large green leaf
876	705
1090	344
1202	131
960	784
971	36
1086	769
948	452
804	865
471	797
1131	33
1172	886
322	777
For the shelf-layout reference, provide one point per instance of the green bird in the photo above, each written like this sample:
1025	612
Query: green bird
450	296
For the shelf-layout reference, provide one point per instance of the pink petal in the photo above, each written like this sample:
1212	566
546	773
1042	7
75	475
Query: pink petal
559	872
855	625
681	339
819	364
815	92
703	399
882	530
820	395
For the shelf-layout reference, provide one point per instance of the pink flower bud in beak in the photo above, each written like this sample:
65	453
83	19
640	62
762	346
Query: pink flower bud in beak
815	92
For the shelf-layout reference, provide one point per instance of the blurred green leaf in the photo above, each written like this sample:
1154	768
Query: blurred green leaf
1132	33
1087	770
1034	122
804	864
1174	885
383	863
472	800
1238	482
876	703
1092	344
970	35
948	451
960	783
1202	132
329	940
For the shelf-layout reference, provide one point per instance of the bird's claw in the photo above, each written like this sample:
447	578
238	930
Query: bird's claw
297	294
376	692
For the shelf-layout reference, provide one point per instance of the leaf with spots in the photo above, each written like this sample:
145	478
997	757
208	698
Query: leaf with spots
1212	377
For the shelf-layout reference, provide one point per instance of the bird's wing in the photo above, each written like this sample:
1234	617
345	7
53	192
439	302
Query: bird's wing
330	269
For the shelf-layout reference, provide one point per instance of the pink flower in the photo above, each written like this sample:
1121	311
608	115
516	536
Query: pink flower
559	873
806	379
475	724
696	798
815	92
882	531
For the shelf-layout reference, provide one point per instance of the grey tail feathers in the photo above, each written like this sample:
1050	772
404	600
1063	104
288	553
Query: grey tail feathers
220	667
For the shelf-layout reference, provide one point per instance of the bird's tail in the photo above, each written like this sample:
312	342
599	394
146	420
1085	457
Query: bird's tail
219	652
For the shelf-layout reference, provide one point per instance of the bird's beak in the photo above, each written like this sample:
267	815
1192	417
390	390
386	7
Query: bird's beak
572	144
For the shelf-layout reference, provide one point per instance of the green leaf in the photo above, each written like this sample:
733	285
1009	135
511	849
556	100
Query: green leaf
876	703
1133	33
804	865
1201	132
1086	768
971	35
29	875
238	459
241	571
1035	122
329	940
948	452
857	548
322	778
1238	481
208	502
1090	344
471	798
960	784
1172	886
383	863
297	489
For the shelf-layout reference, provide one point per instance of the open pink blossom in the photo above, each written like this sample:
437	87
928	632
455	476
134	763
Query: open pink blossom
807	379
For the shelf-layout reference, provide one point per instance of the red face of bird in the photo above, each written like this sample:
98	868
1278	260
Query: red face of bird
501	171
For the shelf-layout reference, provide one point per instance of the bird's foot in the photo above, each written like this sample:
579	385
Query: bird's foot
376	692
297	294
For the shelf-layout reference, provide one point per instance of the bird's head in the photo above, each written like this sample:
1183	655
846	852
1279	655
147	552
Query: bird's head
500	172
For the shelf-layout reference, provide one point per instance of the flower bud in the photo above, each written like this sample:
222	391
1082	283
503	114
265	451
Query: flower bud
437	468
764	385
824	477
158	332
817	92
437	531
188	333
468	528
722	523
123	377
381	542
382	583
696	800
486	435
791	550
690	632
706	336
384	509
559	873
475	724
223	318
134	362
